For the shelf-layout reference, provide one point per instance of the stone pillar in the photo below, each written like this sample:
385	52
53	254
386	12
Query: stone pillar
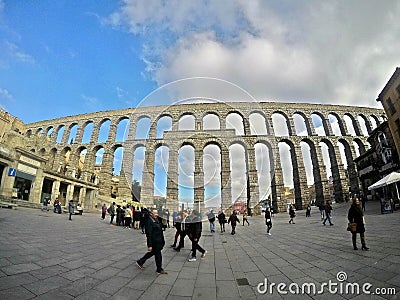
198	180
55	190
147	191
327	127
8	181
291	127
82	197
36	188
105	175
357	127
131	133
355	185
310	126
112	134
253	178
226	188
277	185
172	181
271	126
222	123
88	166
340	179
95	133
246	127
66	134
70	193
299	178
152	130
322	193
343	127
79	134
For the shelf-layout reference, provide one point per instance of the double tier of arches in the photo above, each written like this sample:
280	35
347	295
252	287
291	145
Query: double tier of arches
113	140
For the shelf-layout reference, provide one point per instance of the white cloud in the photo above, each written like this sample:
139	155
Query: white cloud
5	95
17	54
309	51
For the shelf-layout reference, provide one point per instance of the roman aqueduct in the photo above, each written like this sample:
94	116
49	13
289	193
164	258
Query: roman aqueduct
71	144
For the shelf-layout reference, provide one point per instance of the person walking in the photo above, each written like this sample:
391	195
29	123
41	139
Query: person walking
111	211
177	225
328	210
308	210
356	215
71	207
292	214
221	220
233	220
211	219
184	224
268	220
194	232
103	211
245	218
155	242
363	200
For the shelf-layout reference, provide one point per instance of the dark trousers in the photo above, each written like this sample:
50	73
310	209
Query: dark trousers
245	220
222	225
269	226
233	229
112	219
354	239
177	234
103	215
157	257
196	246
128	221
182	235
70	214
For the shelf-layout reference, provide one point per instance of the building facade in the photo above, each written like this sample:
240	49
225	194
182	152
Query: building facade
390	99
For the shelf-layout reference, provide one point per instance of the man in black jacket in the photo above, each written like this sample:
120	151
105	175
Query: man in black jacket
155	242
195	228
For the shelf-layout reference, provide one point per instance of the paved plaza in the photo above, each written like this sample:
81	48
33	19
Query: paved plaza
45	256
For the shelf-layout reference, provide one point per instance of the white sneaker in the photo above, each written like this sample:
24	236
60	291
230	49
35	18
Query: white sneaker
204	254
192	259
268	233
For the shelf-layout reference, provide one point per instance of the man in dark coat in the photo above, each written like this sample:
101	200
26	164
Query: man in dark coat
194	232
233	220
155	242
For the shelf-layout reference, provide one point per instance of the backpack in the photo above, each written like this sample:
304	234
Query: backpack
109	210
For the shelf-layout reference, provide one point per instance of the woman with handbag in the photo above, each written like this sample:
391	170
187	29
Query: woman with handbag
356	215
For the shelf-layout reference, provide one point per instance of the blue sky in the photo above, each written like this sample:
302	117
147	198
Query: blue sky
61	58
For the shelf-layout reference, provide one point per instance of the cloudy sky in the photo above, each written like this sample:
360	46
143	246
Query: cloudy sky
61	58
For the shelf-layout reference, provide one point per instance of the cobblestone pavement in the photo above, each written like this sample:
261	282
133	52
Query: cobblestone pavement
45	256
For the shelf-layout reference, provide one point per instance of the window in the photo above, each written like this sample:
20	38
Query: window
391	107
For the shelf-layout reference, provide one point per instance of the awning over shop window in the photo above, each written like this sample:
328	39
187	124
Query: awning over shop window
25	175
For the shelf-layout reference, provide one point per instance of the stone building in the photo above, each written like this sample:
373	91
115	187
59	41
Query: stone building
390	99
66	151
379	160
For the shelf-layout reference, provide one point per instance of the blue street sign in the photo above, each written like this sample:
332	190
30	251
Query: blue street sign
12	172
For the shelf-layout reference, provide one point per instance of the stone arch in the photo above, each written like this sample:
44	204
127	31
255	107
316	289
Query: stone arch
88	128
104	129
235	120
60	132
360	144
258	123
187	121
267	120
264	161
161	162
239	172
352	124
211	121
337	126
143	125
364	125
301	124
281	124
164	123
320	124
